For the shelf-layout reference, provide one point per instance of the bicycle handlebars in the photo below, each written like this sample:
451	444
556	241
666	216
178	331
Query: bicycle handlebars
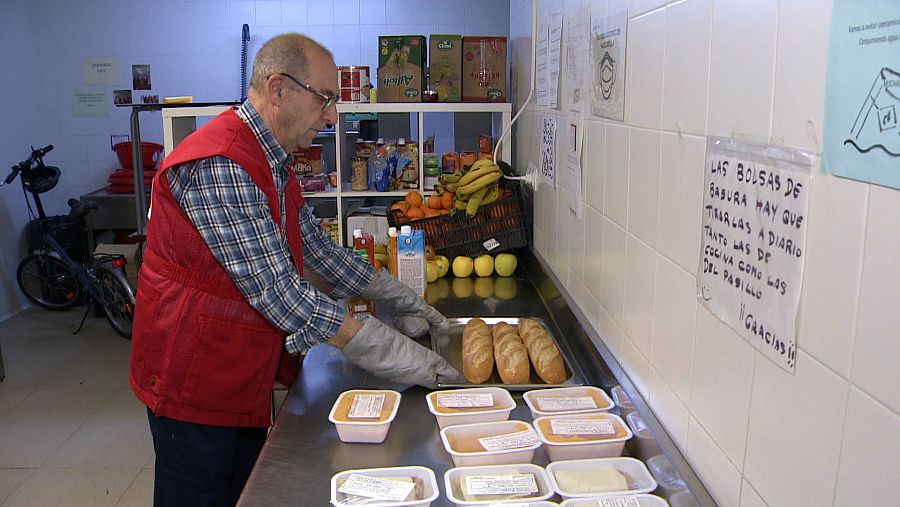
36	154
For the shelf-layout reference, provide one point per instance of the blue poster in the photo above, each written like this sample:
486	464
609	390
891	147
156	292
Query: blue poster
862	94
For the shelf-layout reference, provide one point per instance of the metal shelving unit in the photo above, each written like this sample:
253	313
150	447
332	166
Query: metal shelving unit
178	123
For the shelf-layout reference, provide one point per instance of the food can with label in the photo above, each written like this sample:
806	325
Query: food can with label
354	82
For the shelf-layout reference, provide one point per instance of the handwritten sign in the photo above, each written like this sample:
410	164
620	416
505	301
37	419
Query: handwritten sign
754	238
548	150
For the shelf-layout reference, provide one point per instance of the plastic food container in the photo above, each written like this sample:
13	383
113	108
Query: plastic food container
464	447
567	400
622	400
644	500
424	478
637	426
636	474
501	405
454	477
360	417
579	436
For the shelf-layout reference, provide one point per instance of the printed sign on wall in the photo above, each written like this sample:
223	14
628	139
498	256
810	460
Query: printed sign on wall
862	96
755	201
608	65
548	150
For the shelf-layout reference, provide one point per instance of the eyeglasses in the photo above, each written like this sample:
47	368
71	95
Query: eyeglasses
328	99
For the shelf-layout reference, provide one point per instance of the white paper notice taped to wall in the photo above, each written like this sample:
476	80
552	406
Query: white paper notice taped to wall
755	200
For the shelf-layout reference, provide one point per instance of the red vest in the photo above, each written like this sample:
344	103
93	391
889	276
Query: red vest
200	353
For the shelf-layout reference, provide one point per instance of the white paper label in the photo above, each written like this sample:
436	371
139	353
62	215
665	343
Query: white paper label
515	484
639	425
508	504
582	427
366	406
374	487
526	438
576	403
465	400
491	244
623	501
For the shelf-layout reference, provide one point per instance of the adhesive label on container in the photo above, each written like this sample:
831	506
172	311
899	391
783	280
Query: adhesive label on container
366	406
526	438
504	504
574	403
582	427
512	484
465	400
639	425
375	487
491	244
623	501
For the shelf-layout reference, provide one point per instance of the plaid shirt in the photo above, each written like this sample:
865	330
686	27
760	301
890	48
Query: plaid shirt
232	215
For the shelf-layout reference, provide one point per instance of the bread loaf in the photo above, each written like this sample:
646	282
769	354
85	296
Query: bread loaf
545	357
510	354
477	351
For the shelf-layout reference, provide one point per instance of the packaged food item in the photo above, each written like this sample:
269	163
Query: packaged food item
431	169
641	500
354	82
401	65
364	415
445	64
485	143
311	183
567	400
411	259
449	162
497	483
600	477
471	405
385	486
491	443
364	245
308	161
577	436
467	158
484	69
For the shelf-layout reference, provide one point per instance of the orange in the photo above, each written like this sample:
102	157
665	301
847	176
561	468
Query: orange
447	200
400	206
415	213
414	199
435	202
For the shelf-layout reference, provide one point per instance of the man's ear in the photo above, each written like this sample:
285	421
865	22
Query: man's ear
274	88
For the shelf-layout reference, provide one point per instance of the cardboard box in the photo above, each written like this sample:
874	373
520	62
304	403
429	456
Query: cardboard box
401	68
375	225
445	66
131	252
484	69
411	260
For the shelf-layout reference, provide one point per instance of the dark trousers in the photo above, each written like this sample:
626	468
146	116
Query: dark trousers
199	465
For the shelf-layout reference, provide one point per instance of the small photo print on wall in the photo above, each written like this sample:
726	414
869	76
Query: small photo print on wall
150	99
121	96
140	75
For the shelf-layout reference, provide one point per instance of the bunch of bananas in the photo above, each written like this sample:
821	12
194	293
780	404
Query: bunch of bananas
473	188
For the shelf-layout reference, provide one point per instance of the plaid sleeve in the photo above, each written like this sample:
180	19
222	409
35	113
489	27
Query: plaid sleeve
232	215
345	270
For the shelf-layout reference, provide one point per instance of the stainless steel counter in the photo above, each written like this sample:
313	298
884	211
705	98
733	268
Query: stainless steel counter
303	450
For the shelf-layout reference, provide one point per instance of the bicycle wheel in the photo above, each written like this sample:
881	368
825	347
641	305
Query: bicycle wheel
46	281
118	300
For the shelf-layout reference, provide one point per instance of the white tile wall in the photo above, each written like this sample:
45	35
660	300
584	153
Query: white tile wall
674	314
869	453
593	250
636	366
749	497
877	345
717	472
721	384
686	78
741	67
644	65
811	435
640	279
671	411
594	163
612	271
615	181
643	185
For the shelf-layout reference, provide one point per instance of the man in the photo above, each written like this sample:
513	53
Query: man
223	308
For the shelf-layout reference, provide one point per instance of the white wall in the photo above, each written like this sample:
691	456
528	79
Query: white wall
193	48
830	433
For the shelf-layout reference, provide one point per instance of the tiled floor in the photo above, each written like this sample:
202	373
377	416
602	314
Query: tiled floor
71	432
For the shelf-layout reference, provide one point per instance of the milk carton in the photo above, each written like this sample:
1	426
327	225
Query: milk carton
411	259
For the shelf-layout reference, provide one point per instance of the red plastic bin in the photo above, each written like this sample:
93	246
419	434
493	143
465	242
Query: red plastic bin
151	154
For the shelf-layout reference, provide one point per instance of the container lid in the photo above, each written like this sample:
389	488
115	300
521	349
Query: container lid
405	230
501	398
507	437
574	421
392	231
357	233
638	477
364	422
426	475
571	400
453	477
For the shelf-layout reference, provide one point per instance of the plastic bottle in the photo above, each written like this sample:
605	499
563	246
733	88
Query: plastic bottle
364	245
392	250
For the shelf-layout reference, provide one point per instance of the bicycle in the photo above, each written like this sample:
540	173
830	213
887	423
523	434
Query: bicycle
49	276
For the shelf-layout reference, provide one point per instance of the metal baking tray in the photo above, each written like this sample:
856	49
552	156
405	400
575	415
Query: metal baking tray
448	344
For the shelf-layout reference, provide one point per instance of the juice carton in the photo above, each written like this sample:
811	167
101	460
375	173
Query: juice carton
364	245
446	66
411	259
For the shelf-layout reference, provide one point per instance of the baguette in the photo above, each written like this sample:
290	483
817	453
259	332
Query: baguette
477	351
545	357
510	354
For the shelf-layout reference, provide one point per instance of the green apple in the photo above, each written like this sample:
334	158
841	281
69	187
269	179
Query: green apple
462	266
505	264
432	271
484	265
443	264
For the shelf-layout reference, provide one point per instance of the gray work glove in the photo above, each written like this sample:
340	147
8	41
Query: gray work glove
382	350
412	315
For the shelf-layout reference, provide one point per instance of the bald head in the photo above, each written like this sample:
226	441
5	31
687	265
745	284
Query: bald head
289	53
